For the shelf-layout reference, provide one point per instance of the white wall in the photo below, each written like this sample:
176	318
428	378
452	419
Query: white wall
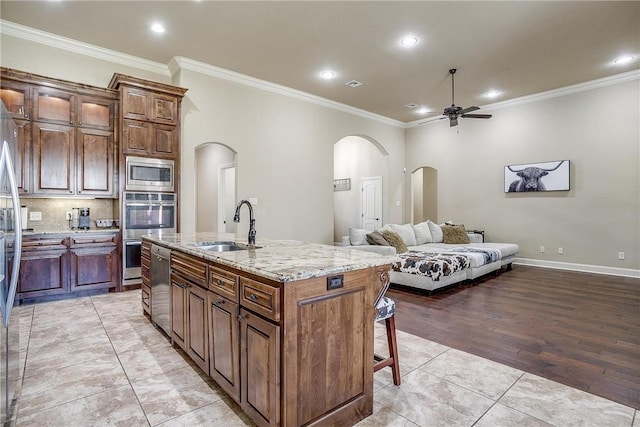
284	154
356	158
208	158
598	130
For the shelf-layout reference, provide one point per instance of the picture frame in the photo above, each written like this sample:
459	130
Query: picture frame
537	177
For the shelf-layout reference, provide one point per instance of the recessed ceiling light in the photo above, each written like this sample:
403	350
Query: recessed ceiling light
157	28
492	94
408	41
422	110
411	105
327	74
623	60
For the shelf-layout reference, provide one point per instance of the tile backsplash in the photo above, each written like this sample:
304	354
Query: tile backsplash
53	211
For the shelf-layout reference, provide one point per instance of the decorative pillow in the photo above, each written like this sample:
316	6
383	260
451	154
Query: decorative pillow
395	240
376	238
405	232
423	235
436	232
358	236
455	234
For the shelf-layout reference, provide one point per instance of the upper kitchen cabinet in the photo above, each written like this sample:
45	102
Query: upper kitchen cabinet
66	142
149	117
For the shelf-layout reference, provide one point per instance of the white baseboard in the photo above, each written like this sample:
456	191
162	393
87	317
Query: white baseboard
587	268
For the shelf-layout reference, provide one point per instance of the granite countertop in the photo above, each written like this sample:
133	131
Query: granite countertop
279	260
30	232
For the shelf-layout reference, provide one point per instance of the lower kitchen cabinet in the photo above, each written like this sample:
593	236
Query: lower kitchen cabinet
260	368
94	262
197	336
178	311
224	344
54	264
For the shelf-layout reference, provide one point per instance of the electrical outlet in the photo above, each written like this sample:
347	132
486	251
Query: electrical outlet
541	249
35	216
560	251
620	255
68	216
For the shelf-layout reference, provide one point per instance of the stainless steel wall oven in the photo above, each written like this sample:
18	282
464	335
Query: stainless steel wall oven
143	213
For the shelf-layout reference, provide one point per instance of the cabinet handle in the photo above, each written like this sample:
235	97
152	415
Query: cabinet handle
70	121
241	317
219	282
71	191
220	301
253	297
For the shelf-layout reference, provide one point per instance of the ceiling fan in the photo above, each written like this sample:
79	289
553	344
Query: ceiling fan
454	112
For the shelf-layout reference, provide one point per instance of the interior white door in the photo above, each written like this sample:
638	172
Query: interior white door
371	203
226	198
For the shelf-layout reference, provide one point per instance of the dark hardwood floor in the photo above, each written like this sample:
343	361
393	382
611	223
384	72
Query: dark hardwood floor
578	329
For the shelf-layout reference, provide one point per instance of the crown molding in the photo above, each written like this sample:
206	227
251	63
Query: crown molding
585	268
542	96
182	63
27	33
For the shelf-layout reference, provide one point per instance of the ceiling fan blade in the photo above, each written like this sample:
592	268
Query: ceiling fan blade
453	121
477	116
468	110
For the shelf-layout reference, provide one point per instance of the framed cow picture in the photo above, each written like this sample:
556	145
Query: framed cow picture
546	176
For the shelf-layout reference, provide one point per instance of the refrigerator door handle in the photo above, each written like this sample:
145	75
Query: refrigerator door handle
7	165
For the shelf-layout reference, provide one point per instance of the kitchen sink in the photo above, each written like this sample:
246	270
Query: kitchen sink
223	246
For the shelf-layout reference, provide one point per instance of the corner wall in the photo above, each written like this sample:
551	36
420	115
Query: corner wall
597	130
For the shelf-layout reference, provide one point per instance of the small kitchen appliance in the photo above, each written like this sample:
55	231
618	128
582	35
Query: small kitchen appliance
84	221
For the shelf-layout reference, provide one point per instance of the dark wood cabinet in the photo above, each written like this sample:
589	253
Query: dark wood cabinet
178	311
224	343
149	117
44	266
94	262
260	368
66	130
145	270
198	339
53	264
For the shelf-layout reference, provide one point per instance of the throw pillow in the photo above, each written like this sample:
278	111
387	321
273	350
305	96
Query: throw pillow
455	234
405	232
423	235
436	232
395	240
376	238
358	236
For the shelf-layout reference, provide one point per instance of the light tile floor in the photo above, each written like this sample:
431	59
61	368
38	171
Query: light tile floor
97	361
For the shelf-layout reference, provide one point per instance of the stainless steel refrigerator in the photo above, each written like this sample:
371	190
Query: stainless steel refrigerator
10	248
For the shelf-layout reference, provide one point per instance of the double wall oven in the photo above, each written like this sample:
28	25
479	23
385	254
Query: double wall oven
144	213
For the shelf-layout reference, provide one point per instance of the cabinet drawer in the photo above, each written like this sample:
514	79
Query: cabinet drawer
109	239
52	243
260	297
189	267
223	283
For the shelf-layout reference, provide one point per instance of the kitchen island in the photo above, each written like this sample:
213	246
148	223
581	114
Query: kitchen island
285	329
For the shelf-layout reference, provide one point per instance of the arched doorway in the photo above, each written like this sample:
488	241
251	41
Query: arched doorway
215	187
363	163
424	195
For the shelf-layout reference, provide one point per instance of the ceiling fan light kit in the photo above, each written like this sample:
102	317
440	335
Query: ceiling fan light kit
454	112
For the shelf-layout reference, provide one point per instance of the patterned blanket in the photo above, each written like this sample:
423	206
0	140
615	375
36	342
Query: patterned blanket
481	255
431	264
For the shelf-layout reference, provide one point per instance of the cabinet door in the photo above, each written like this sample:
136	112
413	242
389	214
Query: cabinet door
136	137
95	113
198	340
260	369
178	311
43	272
22	156
94	268
164	142
53	146
16	97
95	165
165	109
224	344
53	106
136	104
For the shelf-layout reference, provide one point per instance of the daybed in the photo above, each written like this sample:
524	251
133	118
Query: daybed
437	255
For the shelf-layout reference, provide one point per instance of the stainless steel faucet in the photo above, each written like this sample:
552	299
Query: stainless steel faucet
252	221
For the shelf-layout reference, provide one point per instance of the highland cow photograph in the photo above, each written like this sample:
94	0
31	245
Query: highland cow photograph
547	176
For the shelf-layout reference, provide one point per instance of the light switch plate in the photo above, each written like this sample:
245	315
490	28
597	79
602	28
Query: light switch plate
35	216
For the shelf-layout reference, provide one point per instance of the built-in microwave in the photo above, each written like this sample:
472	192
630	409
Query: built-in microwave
148	174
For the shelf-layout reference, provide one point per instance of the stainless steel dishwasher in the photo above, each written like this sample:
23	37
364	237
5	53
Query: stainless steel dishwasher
161	288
